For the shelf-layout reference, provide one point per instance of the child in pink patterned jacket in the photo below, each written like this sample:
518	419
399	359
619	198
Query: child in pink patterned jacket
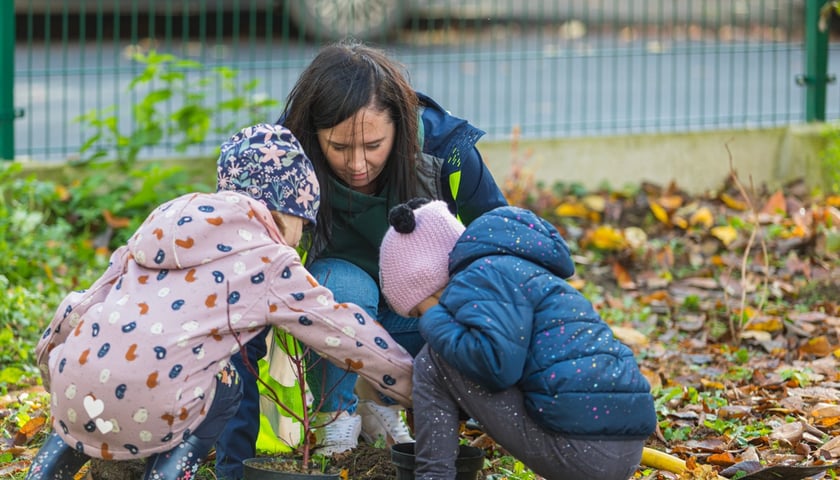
138	364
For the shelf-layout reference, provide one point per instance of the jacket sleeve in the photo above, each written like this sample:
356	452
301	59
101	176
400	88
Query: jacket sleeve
482	327
477	189
73	307
340	332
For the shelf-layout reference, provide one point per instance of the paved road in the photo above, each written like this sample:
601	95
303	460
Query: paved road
562	82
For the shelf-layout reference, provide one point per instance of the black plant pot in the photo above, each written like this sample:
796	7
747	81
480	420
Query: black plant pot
260	469
469	463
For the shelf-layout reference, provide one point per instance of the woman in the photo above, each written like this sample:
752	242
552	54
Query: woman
375	143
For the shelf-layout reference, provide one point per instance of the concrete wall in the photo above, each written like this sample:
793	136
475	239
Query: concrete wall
697	161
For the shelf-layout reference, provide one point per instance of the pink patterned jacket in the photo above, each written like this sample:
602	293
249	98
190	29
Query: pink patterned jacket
131	363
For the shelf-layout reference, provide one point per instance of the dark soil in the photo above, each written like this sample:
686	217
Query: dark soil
367	462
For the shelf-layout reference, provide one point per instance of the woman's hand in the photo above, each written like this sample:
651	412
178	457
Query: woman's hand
426	304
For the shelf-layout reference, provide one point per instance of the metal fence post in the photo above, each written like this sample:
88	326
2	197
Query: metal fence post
816	60
7	79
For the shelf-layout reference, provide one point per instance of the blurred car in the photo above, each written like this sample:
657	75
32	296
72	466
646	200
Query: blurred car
365	19
329	19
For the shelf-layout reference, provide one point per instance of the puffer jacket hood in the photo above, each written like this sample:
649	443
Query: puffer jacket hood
513	231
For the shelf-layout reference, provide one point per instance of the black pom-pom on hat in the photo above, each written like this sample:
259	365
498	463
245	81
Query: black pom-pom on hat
401	217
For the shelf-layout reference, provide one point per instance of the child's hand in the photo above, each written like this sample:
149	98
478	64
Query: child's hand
426	304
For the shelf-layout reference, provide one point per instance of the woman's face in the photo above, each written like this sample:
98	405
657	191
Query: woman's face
358	148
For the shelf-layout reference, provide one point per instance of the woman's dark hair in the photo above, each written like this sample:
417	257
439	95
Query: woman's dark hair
341	80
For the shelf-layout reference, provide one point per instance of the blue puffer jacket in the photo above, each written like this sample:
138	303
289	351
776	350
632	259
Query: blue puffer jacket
508	318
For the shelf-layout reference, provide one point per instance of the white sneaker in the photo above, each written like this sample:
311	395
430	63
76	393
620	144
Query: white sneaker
340	435
385	422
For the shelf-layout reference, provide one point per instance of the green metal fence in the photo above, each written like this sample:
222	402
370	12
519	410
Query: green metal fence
69	69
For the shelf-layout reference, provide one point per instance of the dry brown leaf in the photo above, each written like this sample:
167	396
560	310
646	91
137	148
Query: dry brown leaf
29	430
826	415
757	335
635	237
702	217
775	205
607	238
831	448
811	316
652	377
711	444
670	202
818	346
734	411
622	277
660	213
791	433
710	384
596	203
571	210
655	297
723	459
766	323
725	233
702	282
630	336
115	222
733	203
576	283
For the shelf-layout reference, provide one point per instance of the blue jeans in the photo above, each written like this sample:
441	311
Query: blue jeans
57	460
350	284
238	440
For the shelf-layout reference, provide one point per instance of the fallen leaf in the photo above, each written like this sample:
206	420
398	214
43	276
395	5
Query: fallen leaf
635	237
29	430
818	346
725	233
826	415
115	222
776	204
723	459
607	238
571	210
766	323
670	202
733	411
630	336
659	212
831	448
702	282
709	384
791	433
622	277
733	203
596	203
576	283
702	217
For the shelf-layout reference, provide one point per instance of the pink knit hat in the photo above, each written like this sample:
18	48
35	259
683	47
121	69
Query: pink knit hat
414	255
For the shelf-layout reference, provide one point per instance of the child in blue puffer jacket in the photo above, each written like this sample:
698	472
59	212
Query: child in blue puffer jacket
512	344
